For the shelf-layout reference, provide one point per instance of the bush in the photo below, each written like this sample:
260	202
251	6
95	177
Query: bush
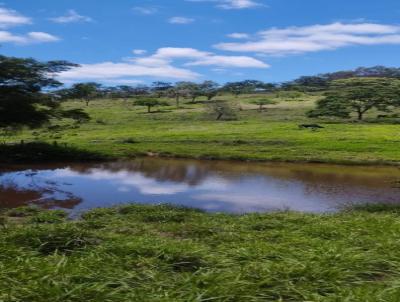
222	110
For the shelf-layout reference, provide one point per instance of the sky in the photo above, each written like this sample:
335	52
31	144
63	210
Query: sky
134	42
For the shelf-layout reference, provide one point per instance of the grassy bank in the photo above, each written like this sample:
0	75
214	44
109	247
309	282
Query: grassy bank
160	253
118	129
44	152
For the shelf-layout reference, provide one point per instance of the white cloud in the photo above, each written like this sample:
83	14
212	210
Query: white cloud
238	36
161	64
7	37
294	40
126	181
9	18
122	82
37	36
29	38
180	20
178	52
110	70
203	58
71	17
146	10
139	51
238	4
229	61
233	4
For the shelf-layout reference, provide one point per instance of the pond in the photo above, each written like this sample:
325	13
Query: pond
216	186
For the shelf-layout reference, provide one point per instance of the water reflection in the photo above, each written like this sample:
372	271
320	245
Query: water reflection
210	185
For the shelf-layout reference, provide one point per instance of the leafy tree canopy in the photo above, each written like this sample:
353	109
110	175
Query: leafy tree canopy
22	82
358	95
246	86
149	103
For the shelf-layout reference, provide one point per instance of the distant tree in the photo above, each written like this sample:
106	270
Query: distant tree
149	103
321	82
124	92
247	86
189	89
309	83
267	87
140	90
175	94
364	72
159	88
60	94
263	102
85	91
358	95
223	110
209	89
22	99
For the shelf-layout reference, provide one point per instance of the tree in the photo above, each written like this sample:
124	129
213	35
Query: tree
247	86
308	83
209	89
174	93
159	88
188	89
149	103
358	95
85	91
263	102
140	90
322	81
22	100
362	72
124	92
222	109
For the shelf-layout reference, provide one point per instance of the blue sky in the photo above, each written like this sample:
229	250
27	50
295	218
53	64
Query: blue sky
130	41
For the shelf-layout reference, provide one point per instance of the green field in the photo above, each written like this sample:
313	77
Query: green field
161	253
119	129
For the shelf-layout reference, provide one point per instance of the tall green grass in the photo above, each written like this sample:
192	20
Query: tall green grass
162	253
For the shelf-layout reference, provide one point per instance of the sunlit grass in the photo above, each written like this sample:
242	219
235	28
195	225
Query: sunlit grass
119	129
162	253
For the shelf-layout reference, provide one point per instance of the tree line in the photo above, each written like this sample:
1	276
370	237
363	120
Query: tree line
188	90
30	94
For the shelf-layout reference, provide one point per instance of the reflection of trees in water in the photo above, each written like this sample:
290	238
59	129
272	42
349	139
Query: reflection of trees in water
329	179
354	185
360	182
160	170
34	192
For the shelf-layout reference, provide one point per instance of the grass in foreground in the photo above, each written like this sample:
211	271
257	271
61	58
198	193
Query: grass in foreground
162	253
120	130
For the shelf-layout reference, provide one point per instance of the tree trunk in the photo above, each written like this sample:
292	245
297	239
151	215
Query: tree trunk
360	115
87	102
261	108
148	109
219	116
177	101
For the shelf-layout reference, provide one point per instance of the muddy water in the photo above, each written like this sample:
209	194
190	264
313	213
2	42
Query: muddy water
234	187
